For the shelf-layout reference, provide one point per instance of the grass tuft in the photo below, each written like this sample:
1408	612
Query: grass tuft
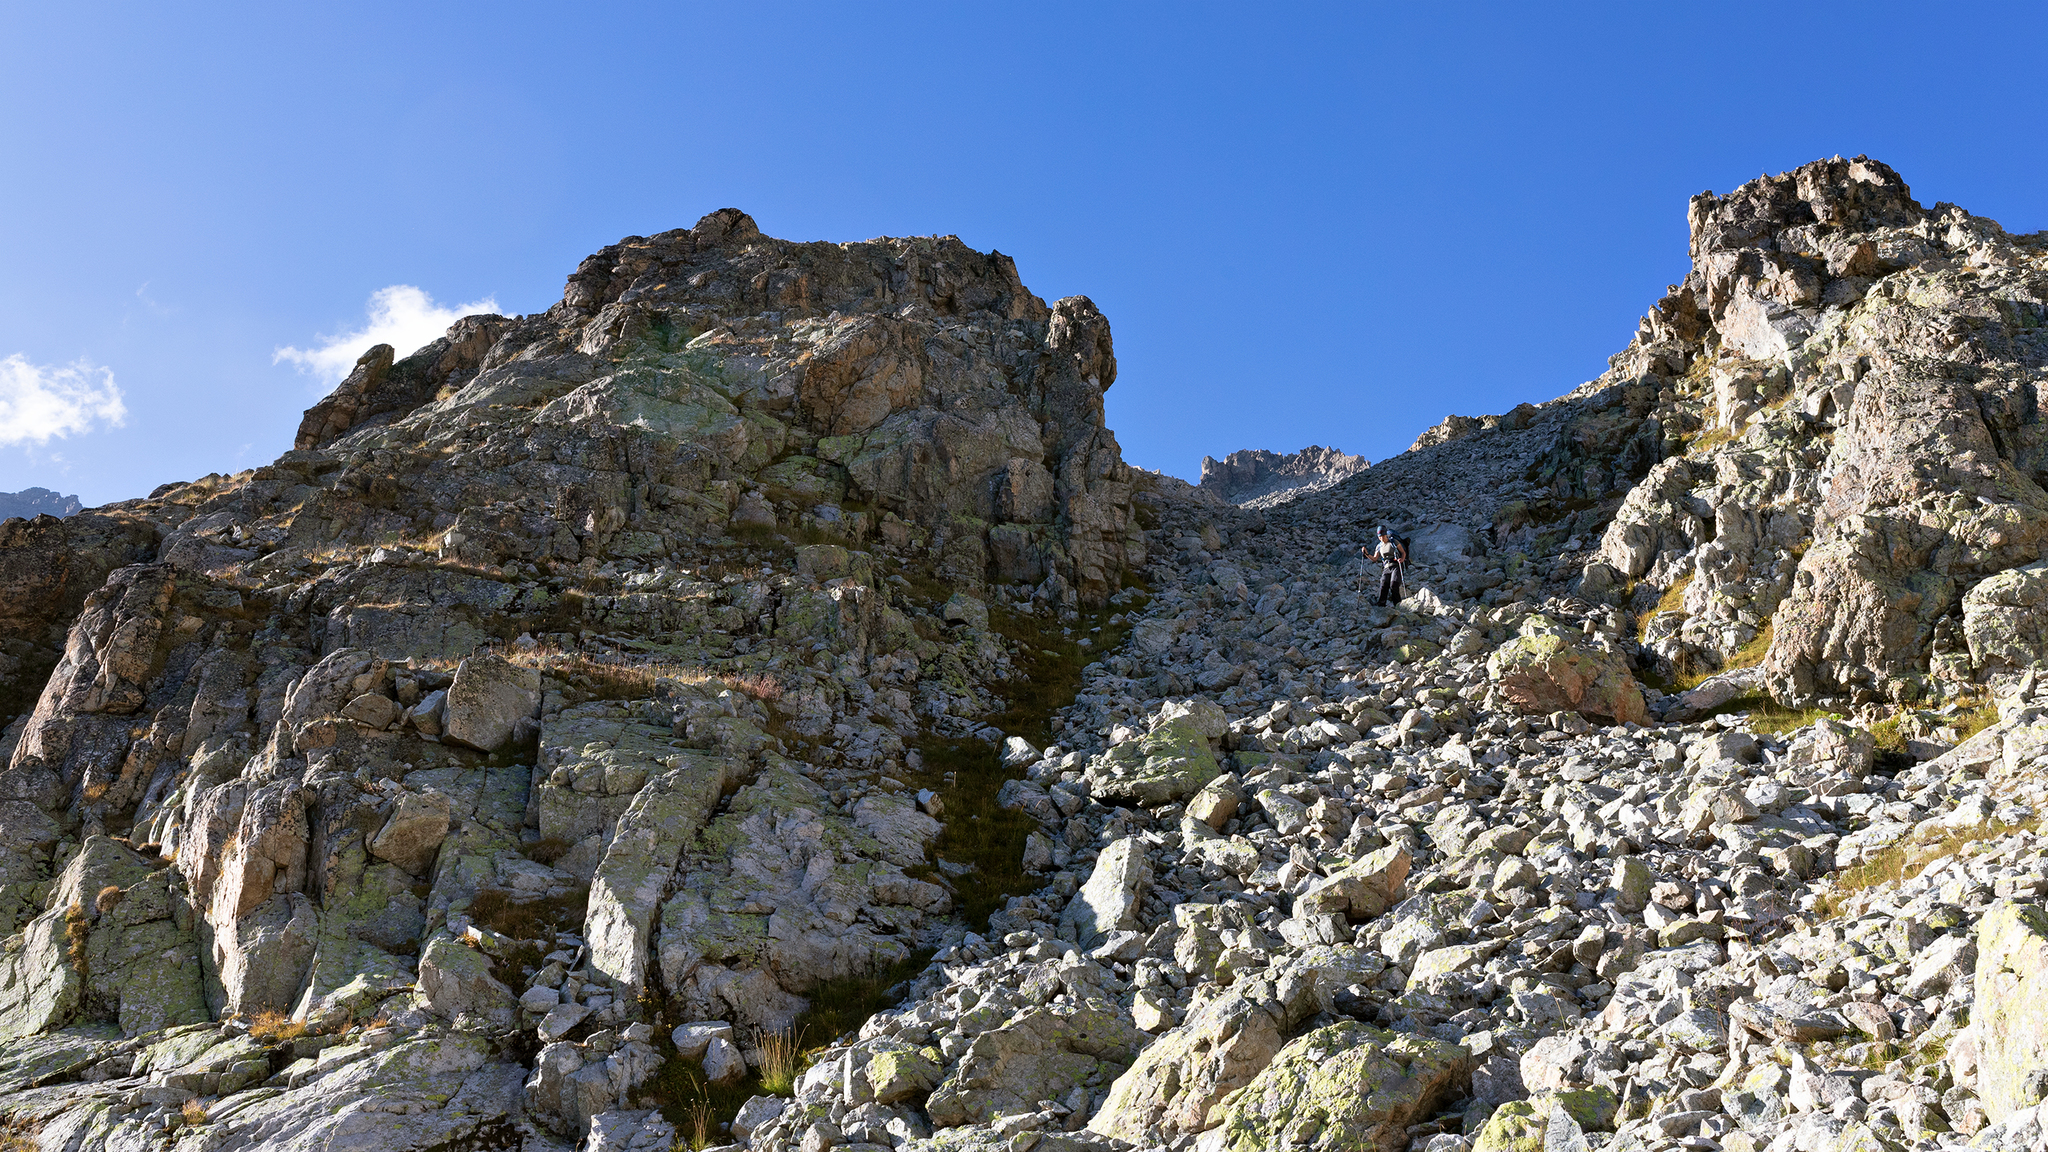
1748	656
700	1124
1767	717
840	1006
273	1027
193	1113
781	1060
1975	720
686	1099
1673	600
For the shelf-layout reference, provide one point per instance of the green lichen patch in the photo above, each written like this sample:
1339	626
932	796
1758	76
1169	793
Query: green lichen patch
1344	1088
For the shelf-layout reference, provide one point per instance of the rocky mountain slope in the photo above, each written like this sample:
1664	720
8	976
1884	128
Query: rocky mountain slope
569	742
1256	478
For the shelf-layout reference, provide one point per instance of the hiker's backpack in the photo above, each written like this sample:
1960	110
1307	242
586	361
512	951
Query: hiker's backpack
1407	548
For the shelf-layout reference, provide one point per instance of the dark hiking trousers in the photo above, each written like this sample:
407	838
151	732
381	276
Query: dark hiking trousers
1390	583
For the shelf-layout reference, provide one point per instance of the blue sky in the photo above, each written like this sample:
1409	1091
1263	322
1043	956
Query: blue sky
1308	224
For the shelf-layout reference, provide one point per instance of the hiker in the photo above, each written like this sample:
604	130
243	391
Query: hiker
1392	555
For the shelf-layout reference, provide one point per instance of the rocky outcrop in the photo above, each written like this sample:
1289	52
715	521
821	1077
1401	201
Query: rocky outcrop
1257	478
1841	384
2008	1021
286	742
381	388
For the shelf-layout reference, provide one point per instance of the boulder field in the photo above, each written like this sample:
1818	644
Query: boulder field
752	704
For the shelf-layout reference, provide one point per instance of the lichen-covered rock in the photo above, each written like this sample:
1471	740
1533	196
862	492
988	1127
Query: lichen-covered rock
2010	1017
413	834
639	865
1171	762
457	980
2003	620
898	1073
1544	671
768	901
1043	1054
1547	1120
1175	1082
1346	1086
1363	889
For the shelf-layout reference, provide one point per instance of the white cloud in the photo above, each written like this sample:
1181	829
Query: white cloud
38	402
402	316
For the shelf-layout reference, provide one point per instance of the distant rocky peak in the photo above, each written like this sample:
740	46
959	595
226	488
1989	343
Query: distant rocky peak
1256	477
36	502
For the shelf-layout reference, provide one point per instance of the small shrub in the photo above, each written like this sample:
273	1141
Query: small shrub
77	931
547	850
527	919
193	1113
1888	735
270	1026
1975	720
759	685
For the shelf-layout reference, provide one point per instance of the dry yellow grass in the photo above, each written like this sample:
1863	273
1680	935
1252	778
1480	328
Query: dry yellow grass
1711	439
77	932
1975	720
193	1113
1673	600
273	1027
627	676
1748	656
1902	862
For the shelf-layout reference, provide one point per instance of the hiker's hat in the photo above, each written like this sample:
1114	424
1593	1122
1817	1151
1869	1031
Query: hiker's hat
1383	530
